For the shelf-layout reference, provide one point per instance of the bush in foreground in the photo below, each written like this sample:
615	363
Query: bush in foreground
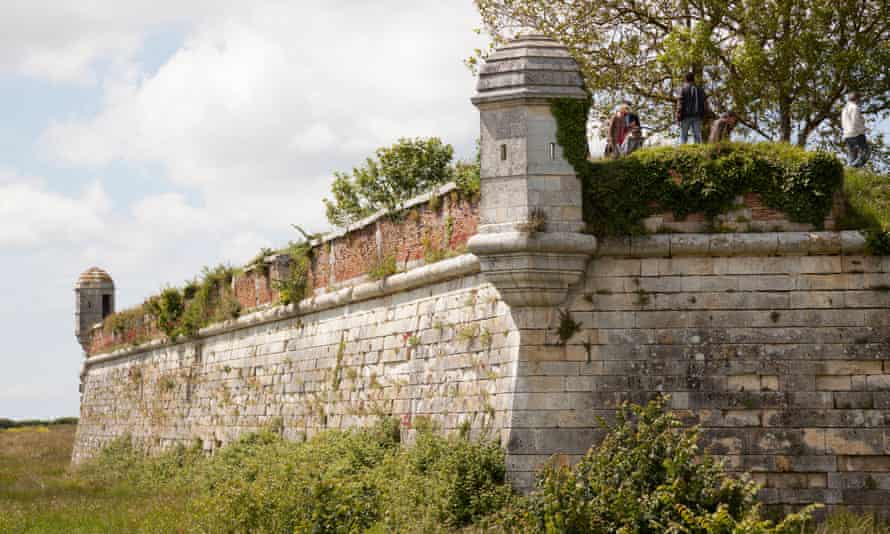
647	476
355	481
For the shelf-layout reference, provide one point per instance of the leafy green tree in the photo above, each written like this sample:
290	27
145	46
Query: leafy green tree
784	66
399	172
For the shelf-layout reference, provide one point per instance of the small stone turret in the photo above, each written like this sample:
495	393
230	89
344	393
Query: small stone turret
529	241
94	301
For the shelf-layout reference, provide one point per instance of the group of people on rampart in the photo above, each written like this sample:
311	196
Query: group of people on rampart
692	109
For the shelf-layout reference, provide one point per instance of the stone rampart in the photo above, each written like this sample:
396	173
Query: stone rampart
776	343
435	341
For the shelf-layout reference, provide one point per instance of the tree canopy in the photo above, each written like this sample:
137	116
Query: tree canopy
399	172
784	66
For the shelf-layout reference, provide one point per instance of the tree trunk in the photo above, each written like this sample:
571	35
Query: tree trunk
785	120
784	98
804	135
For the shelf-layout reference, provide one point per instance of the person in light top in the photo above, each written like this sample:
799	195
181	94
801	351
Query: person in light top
854	132
721	130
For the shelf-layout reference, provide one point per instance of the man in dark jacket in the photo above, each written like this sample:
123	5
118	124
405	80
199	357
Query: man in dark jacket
692	106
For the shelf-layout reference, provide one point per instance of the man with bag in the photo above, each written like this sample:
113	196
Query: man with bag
692	107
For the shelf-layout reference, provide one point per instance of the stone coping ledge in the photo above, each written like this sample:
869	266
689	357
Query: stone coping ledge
720	245
439	191
649	246
440	271
539	242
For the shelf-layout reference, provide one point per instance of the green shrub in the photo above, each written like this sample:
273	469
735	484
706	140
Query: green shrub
337	481
383	267
463	480
293	288
124	464
466	177
398	173
200	303
619	194
167	308
845	522
265	484
648	475
868	207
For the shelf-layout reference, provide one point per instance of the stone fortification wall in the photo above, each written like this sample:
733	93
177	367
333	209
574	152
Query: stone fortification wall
778	345
433	342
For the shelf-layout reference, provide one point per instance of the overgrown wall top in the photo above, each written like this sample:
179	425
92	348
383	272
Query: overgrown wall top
431	227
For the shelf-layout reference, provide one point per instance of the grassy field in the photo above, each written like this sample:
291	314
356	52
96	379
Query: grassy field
237	490
37	494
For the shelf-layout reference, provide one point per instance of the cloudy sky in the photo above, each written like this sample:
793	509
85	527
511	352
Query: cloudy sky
152	138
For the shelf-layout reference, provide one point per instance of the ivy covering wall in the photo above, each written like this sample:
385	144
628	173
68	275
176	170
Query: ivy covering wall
620	193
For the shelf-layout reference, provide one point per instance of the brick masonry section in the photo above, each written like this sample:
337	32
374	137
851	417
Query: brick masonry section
750	215
425	229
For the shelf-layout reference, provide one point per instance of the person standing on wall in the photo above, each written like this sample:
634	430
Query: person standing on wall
853	124
721	130
692	106
617	131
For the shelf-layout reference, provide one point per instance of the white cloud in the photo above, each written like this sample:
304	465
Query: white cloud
270	100
169	213
31	215
66	40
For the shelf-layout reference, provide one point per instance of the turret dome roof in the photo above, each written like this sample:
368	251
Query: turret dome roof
530	66
94	277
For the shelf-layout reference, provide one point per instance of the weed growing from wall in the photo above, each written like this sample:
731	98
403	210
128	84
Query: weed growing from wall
200	303
536	222
383	267
568	326
338	366
292	288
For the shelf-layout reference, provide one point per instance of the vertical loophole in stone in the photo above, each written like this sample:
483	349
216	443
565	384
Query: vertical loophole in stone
106	306
503	152
552	151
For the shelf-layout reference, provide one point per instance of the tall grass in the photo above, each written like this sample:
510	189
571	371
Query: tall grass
357	481
338	481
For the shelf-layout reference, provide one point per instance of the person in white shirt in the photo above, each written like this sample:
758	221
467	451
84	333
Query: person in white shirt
854	132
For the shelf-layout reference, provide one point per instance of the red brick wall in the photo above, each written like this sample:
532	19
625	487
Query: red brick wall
759	211
355	254
105	339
